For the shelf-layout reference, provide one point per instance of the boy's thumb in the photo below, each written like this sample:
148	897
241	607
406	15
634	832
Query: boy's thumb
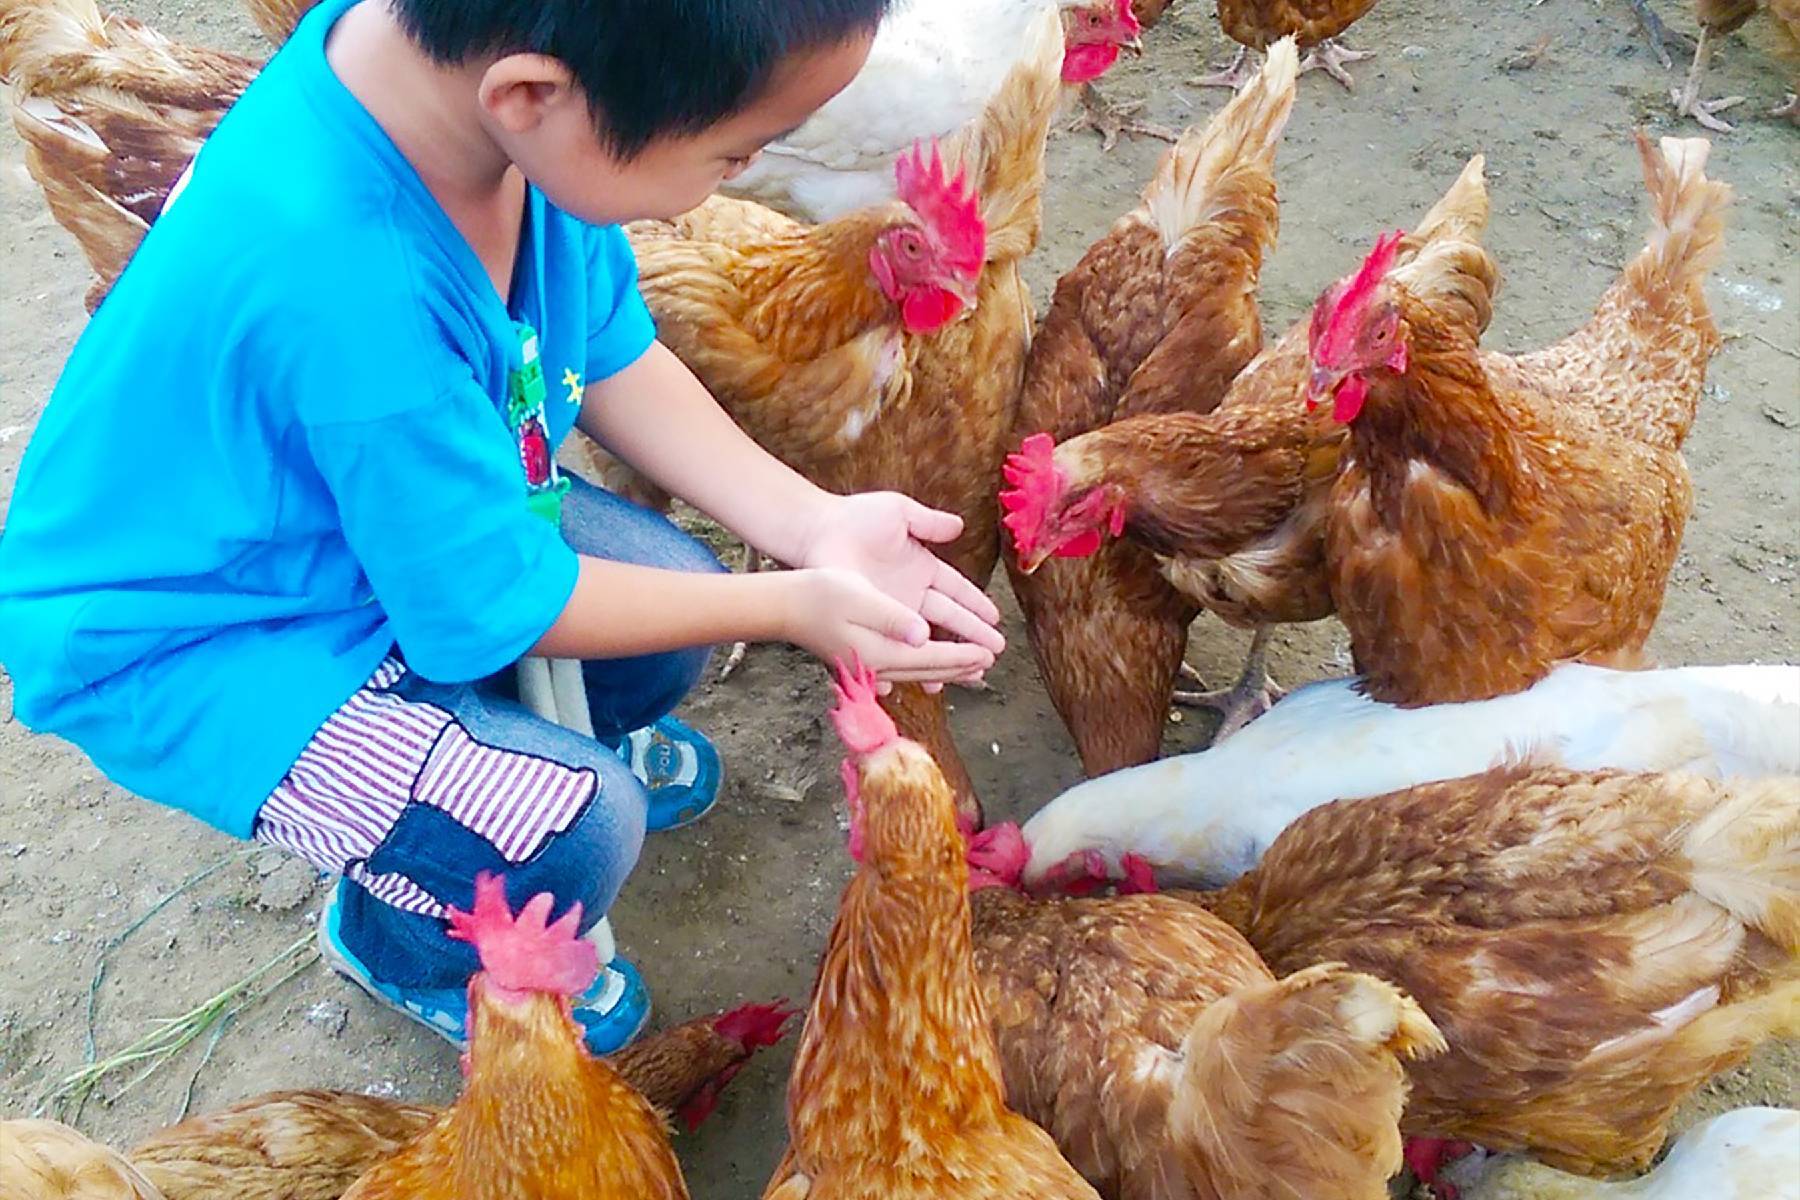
930	524
903	624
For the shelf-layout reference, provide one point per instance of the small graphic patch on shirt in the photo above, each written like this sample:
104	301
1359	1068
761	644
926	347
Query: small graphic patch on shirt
379	753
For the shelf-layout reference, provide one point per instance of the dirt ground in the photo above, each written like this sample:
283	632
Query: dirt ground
737	908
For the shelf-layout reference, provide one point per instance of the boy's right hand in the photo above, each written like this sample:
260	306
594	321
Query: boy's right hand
838	614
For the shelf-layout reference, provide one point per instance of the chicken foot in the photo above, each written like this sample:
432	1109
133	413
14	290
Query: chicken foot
1687	99
1243	702
1330	56
1109	120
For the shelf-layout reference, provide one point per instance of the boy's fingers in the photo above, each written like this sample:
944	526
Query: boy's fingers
962	590
945	613
935	662
930	524
899	622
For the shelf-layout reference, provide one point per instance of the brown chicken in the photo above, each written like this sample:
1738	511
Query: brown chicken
312	1145
539	1116
111	112
1499	515
1169	1064
1593	945
46	1160
1314	24
1187	509
860	385
1158	316
896	1092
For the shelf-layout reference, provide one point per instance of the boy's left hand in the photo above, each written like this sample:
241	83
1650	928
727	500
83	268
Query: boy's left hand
883	536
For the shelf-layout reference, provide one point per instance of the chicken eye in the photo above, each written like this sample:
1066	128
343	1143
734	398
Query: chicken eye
1093	19
911	246
1381	333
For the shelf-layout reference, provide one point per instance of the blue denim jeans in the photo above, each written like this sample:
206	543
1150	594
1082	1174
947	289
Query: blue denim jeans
586	862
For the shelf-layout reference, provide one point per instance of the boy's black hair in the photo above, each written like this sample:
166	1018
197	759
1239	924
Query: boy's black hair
650	68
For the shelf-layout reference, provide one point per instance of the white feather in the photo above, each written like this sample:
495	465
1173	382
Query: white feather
1207	818
1745	1154
932	69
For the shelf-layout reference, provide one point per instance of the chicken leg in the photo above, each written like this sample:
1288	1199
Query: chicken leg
1687	98
1110	120
1244	701
1654	31
1232	75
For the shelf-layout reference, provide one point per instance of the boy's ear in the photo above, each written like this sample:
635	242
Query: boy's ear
517	90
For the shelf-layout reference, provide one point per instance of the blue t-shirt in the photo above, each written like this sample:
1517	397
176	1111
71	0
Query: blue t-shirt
280	448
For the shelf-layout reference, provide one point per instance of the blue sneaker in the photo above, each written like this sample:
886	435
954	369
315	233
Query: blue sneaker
612	1012
678	766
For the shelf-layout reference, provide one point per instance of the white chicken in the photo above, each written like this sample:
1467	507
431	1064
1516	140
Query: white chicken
1204	819
933	68
1745	1154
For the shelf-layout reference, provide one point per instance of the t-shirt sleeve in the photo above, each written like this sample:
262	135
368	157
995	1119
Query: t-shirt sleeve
432	503
620	327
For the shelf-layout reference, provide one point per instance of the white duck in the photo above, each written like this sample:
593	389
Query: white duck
1746	1154
1204	819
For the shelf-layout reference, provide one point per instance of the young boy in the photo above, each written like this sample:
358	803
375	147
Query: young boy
291	514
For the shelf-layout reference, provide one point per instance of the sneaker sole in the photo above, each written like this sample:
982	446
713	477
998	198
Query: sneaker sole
339	961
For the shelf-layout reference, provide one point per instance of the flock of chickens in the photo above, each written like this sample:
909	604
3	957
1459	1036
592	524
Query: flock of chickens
1504	888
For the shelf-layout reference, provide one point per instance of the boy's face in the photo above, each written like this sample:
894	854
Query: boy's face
540	119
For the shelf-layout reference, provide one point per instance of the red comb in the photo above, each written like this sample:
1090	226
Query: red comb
947	206
1036	483
1333	342
523	953
1132	25
754	1026
861	723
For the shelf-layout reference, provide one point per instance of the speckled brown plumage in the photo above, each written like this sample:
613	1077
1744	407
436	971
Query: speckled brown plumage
1259	24
896	1092
312	1145
1169	1064
1593	945
1157	317
1497	517
111	112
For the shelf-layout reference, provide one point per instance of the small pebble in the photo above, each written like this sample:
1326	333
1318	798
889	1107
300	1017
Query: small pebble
1413	52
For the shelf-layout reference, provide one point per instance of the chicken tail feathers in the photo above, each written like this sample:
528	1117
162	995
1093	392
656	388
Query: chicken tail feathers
1186	189
1299	1080
1688	211
1003	148
1462	212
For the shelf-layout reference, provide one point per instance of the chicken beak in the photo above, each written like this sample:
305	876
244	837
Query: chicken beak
1135	47
1320	384
1029	563
968	291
